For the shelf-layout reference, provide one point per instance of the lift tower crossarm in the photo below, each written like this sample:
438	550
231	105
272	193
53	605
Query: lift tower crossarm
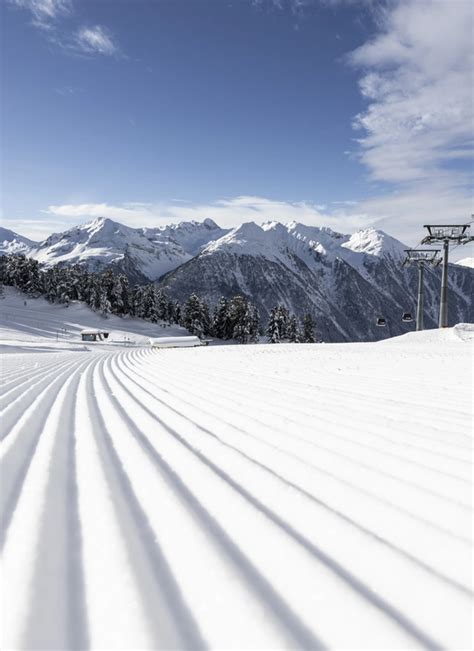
446	233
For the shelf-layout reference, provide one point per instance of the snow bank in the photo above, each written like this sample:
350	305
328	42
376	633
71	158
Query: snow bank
460	332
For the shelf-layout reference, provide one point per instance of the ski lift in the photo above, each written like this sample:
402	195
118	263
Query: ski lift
381	321
407	317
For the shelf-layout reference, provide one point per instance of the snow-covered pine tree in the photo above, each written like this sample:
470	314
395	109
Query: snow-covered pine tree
283	317
221	327
193	317
162	305
308	329
51	283
293	330
254	323
150	303
206	319
273	327
277	328
239	319
63	287
104	303
119	294
136	302
177	312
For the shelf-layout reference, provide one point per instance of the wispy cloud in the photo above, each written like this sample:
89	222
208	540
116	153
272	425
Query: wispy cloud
49	15
95	40
45	12
299	6
418	81
226	212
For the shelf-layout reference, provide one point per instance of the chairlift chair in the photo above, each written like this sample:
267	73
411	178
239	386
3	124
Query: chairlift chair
381	321
407	317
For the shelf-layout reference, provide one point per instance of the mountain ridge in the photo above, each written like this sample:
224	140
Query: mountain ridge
345	281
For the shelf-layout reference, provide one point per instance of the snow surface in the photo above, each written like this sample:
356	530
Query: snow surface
13	243
43	326
278	242
237	497
153	251
466	262
374	242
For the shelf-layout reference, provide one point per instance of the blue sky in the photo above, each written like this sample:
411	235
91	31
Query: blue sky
316	110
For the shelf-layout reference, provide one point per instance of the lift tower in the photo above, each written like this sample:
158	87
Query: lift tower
446	233
420	258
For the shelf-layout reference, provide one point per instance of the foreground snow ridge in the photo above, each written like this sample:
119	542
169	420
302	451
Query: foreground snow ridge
259	497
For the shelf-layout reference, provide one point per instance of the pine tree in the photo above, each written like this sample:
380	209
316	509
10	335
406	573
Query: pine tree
206	319
95	297
254	323
277	328
162	303
136	302
308	329
220	323
104	303
293	330
177	312
273	327
119	294
283	317
193	316
149	303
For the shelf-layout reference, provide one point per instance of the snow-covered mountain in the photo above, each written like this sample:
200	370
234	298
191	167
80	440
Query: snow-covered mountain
143	254
13	243
346	281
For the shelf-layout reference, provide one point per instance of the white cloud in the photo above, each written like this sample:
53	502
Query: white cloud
95	40
403	211
44	12
49	16
418	76
226	212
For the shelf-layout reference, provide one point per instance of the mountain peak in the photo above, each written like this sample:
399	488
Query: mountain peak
210	223
11	242
375	242
101	223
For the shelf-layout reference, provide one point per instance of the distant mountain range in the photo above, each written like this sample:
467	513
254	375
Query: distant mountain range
143	254
345	281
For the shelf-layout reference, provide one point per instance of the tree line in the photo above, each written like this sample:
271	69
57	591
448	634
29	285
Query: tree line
109	292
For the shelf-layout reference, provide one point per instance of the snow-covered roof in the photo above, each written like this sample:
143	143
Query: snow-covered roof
175	342
92	331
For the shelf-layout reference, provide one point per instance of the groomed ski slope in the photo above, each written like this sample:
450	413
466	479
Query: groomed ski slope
239	497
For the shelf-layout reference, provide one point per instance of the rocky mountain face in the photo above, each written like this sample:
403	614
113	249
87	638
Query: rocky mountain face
345	281
143	254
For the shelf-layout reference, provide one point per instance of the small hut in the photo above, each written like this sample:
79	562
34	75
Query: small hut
92	334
